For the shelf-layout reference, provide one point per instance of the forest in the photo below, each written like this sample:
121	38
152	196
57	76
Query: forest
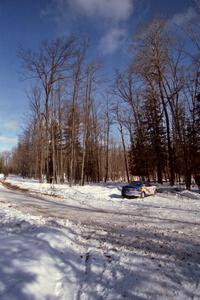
85	127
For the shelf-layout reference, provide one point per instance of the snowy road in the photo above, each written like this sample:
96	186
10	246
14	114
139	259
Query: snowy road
138	249
168	215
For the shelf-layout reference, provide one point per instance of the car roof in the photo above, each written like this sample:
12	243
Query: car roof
136	182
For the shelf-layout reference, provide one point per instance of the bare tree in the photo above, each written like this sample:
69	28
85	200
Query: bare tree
87	108
48	66
77	68
151	63
120	121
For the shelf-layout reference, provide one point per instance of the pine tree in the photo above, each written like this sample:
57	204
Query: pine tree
155	134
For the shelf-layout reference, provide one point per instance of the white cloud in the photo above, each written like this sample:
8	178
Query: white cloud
8	140
116	10
113	10
184	18
112	40
7	143
108	14
11	125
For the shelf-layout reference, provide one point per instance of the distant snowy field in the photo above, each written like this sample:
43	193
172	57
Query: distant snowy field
92	244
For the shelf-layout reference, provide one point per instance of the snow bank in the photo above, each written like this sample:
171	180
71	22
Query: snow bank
94	195
37	258
190	194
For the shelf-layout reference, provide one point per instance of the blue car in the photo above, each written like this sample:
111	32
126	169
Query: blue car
138	189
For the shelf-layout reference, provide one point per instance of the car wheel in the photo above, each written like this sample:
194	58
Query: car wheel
142	194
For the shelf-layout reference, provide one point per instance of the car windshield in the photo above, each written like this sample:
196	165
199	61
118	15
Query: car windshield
136	183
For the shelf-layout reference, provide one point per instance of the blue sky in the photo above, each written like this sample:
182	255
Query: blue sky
109	24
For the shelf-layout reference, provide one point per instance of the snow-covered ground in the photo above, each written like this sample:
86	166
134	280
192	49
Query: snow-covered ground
98	195
92	244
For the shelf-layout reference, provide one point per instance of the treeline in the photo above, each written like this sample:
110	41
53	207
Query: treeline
5	163
147	123
161	90
67	135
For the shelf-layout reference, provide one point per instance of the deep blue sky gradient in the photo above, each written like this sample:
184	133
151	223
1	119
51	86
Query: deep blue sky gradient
28	22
